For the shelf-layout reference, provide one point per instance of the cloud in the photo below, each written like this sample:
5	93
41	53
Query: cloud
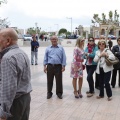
24	13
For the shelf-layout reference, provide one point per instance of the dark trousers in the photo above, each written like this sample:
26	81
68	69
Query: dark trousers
20	108
54	70
104	78
113	80
90	70
96	80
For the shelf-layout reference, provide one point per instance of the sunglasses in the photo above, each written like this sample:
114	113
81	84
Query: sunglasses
91	40
102	44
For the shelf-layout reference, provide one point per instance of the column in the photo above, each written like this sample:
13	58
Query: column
86	34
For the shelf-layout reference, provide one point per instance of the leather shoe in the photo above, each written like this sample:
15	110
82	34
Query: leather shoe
113	86
99	97
97	88
59	96
49	95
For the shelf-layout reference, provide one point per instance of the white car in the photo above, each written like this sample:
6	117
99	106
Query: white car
27	37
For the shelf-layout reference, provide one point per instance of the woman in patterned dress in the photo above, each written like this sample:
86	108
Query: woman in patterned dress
77	68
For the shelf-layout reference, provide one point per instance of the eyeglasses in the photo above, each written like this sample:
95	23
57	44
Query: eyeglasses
53	39
91	40
102	44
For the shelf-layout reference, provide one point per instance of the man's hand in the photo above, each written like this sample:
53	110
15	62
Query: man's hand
45	69
63	69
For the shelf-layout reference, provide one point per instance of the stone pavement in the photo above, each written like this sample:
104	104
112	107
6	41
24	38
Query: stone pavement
68	108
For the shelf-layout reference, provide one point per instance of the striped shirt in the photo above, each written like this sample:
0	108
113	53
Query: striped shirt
15	77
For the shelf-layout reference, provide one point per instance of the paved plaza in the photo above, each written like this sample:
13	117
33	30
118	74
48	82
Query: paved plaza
68	108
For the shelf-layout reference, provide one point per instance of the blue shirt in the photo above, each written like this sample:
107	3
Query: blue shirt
55	55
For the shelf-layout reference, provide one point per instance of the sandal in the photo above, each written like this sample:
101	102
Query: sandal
76	94
80	95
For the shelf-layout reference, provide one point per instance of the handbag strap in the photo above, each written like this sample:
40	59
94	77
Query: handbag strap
106	50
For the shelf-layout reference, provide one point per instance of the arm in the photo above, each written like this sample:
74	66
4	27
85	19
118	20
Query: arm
92	55
38	45
45	62
113	50
116	51
75	55
97	57
63	61
86	51
110	55
8	86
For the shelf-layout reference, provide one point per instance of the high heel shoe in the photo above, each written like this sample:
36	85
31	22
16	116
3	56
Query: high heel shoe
80	95
76	94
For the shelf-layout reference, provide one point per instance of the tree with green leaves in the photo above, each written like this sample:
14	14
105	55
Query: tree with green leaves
62	31
3	1
3	22
33	31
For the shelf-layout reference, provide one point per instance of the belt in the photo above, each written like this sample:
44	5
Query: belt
54	64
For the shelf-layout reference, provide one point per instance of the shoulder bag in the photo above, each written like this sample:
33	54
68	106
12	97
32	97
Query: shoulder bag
110	62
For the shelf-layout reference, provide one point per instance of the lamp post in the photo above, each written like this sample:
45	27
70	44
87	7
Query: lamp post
71	24
36	27
57	28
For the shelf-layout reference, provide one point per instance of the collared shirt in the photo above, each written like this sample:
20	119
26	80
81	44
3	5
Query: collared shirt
55	55
15	77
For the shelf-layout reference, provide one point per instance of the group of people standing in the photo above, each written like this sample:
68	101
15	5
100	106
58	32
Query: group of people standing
15	75
94	56
95	62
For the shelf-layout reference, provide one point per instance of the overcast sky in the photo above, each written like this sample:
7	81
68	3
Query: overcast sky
51	15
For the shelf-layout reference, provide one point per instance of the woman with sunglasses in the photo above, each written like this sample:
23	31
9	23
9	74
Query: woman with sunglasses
103	70
90	64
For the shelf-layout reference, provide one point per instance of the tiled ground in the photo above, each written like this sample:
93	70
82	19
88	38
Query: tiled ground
68	108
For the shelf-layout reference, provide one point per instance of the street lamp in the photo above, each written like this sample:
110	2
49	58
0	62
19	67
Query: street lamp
57	28
36	27
71	24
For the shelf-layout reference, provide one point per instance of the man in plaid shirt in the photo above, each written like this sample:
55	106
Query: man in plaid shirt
15	78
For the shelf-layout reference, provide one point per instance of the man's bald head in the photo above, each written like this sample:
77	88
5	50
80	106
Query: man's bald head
8	37
9	32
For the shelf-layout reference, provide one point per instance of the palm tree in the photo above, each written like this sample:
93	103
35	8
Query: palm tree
2	1
110	15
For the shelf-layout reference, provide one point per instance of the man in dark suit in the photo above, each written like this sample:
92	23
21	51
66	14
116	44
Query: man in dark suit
110	43
116	52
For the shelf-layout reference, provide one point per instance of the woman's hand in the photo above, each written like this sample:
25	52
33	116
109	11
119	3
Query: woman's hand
103	54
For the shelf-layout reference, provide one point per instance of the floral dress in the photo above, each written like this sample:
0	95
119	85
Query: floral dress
76	65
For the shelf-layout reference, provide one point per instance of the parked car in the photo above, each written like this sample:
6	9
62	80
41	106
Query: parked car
73	36
20	36
27	37
112	37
